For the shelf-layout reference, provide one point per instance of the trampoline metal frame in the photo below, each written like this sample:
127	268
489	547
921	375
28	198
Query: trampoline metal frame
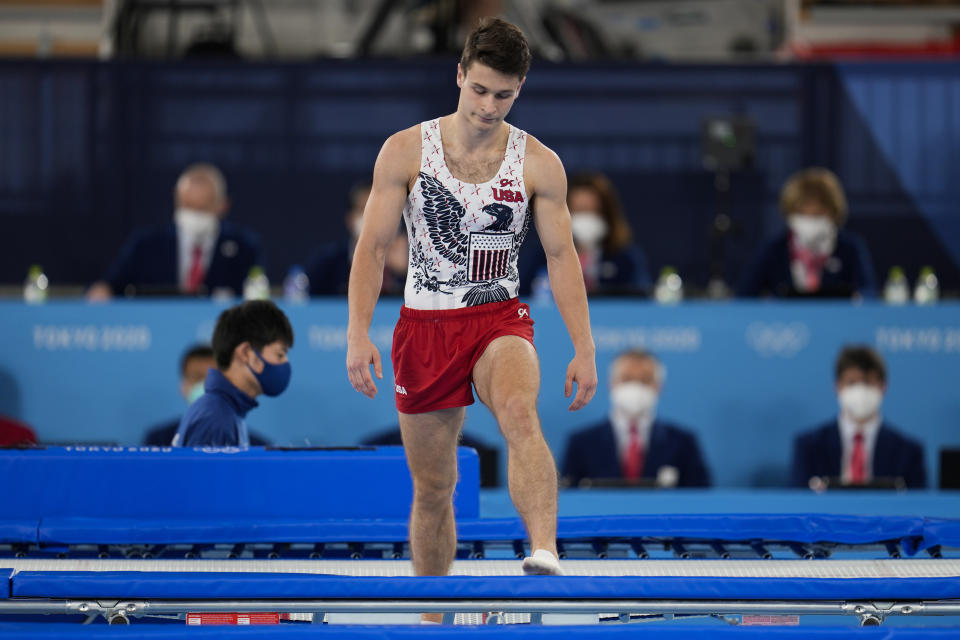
120	611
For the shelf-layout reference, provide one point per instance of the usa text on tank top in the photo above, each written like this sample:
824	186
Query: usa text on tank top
464	238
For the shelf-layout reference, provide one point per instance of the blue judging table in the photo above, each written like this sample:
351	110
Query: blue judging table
747	377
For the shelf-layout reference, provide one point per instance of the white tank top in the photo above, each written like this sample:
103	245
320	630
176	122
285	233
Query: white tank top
464	238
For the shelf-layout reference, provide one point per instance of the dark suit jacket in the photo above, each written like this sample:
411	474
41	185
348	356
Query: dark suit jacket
625	272
592	453
329	270
162	435
818	452
848	271
148	260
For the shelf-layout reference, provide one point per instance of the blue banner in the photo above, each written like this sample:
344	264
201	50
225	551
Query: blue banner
746	377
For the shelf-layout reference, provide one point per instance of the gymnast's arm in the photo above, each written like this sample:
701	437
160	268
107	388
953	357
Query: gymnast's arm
392	174
547	183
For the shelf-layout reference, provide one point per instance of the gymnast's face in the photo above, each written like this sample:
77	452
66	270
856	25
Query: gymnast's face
486	95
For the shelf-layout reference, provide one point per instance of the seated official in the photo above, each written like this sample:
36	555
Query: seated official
250	343
197	253
328	268
194	365
858	446
612	262
633	445
815	257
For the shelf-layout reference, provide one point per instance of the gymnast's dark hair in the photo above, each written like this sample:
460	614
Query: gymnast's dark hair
860	356
258	322
499	45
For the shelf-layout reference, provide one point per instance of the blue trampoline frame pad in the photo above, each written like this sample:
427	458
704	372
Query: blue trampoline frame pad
912	533
128	585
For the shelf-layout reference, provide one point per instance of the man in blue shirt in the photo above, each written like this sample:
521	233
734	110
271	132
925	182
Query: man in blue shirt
250	344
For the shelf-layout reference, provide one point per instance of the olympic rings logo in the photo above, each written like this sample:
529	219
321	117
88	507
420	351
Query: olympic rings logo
784	340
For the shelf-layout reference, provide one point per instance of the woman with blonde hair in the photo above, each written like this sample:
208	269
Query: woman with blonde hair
815	256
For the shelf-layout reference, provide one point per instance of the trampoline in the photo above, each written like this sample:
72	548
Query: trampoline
166	558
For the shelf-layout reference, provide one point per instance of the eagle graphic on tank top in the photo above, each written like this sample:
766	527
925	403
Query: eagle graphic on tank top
464	238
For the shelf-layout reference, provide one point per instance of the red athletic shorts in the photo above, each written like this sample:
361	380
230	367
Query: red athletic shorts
434	351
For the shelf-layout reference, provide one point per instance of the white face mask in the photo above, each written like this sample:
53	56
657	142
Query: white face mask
589	229
860	401
198	225
634	399
815	233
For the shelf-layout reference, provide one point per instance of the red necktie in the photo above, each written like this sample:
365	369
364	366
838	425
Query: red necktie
633	460
195	276
857	471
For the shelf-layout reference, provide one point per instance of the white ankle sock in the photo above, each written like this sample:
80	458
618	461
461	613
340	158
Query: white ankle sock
542	562
545	555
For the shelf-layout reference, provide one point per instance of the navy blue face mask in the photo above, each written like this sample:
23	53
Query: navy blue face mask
274	378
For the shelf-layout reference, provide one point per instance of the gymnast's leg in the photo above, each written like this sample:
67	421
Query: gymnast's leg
507	380
430	442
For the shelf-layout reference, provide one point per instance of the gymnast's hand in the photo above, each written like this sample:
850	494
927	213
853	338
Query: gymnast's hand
582	370
361	353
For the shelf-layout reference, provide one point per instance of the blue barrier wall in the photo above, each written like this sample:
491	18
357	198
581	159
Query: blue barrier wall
91	150
746	377
210	483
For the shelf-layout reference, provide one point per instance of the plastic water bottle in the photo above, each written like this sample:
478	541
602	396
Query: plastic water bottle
35	286
256	286
897	289
927	289
718	289
669	288
296	286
